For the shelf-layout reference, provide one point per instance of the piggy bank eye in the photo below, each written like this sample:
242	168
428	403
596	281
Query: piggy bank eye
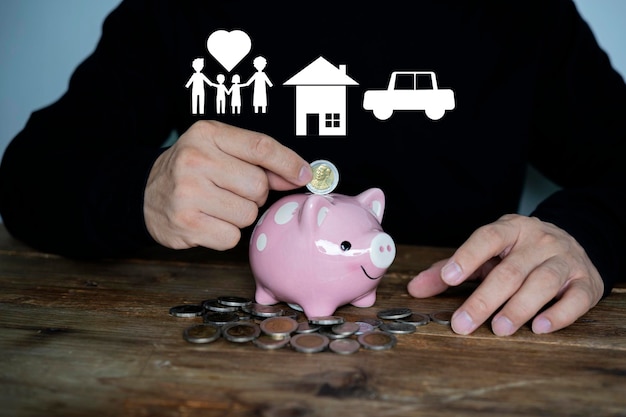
345	245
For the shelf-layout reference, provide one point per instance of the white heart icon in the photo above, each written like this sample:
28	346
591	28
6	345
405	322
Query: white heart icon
229	48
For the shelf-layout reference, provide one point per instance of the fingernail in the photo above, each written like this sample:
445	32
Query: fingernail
462	323
451	273
502	326
542	325
306	175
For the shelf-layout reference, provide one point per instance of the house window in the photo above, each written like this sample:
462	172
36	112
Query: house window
332	120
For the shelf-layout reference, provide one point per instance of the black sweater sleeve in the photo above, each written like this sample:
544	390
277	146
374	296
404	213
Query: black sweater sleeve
580	142
72	181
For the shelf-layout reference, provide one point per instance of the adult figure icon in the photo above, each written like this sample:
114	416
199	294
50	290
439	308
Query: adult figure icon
196	81
261	82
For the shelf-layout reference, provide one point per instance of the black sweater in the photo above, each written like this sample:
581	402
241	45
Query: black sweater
530	85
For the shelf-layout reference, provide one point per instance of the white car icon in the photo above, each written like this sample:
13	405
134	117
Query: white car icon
410	90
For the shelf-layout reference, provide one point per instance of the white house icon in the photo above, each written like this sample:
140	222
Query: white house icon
321	99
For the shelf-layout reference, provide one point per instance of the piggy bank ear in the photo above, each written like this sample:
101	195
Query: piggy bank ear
373	200
314	211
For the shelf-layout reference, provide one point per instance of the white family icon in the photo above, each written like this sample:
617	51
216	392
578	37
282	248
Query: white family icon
320	89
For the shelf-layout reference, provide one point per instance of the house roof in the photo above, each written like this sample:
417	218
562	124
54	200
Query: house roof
321	72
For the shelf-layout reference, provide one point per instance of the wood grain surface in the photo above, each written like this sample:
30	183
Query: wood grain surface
81	338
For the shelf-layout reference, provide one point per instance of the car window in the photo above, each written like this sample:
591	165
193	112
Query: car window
405	82
424	82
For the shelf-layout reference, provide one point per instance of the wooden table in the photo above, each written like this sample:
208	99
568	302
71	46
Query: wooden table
95	338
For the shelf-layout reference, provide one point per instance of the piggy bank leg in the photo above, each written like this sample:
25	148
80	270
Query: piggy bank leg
366	300
262	296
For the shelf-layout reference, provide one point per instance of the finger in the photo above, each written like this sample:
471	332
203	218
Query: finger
577	299
503	281
539	288
428	282
261	150
485	243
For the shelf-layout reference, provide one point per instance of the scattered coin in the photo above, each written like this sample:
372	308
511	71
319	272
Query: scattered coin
394	313
261	310
344	346
187	310
326	320
364	328
201	333
377	340
325	177
309	342
375	323
215	305
328	332
241	332
306	327
442	317
346	329
398	327
234	301
220	319
268	342
416	319
279	326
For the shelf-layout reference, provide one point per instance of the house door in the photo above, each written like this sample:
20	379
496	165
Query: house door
312	124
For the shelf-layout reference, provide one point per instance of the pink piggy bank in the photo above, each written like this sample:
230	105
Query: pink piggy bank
319	252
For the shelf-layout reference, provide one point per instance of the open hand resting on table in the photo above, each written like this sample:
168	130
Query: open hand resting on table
211	183
524	264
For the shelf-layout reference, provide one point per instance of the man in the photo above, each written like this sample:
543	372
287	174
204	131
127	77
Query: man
87	176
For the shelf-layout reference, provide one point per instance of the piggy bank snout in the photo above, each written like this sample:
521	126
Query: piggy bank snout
382	251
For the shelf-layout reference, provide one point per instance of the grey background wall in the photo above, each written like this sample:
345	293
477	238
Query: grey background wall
42	41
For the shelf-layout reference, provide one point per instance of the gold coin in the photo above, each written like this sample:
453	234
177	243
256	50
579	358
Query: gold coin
202	333
325	177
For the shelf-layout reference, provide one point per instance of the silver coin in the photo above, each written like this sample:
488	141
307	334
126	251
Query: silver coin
364	328
346	329
202	333
344	346
394	313
416	319
234	301
442	317
261	310
326	320
328	332
241	332
268	342
295	307
325	177
220	319
306	327
187	310
214	305
377	340
398	327
309	342
279	326
375	323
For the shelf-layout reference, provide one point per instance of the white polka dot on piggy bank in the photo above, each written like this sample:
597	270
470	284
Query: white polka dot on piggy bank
321	251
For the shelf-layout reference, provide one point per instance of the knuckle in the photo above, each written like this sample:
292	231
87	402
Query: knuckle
480	306
263	146
248	214
227	238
